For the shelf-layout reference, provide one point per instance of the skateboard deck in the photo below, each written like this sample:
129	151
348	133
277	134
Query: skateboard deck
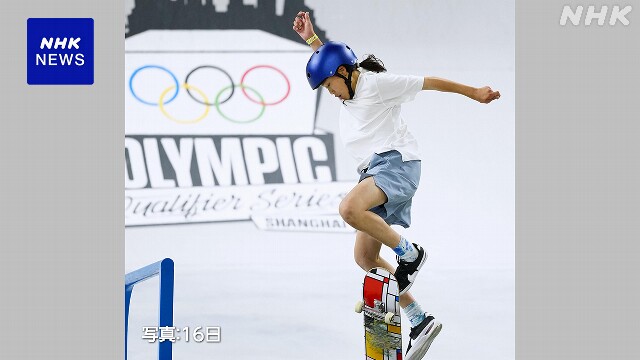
381	308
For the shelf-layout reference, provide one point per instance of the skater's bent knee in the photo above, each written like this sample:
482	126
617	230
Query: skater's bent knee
348	211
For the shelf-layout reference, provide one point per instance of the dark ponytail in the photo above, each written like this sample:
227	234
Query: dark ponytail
372	63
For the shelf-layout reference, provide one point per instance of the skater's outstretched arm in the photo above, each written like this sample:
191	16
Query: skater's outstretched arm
483	95
303	26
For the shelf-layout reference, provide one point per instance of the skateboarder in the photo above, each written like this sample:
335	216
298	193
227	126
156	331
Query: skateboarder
374	132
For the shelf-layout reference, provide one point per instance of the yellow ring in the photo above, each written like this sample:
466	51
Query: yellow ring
186	86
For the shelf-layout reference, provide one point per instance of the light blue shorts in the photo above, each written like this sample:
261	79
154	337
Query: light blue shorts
398	180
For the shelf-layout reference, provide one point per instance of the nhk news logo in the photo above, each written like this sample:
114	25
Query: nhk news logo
60	51
617	14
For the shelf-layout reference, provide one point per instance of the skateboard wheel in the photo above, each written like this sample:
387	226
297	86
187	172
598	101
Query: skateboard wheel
359	306
388	317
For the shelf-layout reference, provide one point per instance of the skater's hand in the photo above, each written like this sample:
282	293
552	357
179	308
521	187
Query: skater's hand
302	25
485	95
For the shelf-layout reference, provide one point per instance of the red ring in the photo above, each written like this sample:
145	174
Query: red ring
262	102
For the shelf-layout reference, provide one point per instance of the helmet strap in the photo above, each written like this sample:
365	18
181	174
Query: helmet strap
347	81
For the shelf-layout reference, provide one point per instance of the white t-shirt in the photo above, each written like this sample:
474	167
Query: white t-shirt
371	122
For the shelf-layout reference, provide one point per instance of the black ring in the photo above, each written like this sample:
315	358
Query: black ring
233	87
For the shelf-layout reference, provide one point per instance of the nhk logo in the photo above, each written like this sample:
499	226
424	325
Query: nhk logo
60	51
617	14
54	59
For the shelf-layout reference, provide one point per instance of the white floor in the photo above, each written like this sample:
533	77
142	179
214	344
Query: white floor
294	299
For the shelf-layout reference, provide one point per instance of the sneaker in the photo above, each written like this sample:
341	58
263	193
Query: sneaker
421	337
407	271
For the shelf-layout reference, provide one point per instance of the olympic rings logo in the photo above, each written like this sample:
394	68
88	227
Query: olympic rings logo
170	93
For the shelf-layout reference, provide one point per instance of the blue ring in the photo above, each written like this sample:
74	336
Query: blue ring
175	80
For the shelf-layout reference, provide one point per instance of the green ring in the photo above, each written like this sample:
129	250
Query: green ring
217	103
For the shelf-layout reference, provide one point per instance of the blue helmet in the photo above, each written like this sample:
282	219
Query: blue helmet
325	61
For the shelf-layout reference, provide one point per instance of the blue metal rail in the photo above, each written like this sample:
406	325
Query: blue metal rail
163	269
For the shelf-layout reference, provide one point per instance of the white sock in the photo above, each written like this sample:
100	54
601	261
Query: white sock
414	313
405	250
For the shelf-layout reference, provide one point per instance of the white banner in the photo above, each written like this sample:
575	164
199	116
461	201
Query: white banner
307	223
221	128
197	82
231	203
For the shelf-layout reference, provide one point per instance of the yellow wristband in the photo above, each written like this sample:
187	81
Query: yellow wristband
312	39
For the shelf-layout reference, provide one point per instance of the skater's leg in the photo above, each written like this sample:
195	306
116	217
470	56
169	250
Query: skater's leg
354	210
367	255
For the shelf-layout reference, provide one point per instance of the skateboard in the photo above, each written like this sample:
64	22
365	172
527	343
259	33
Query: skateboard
381	308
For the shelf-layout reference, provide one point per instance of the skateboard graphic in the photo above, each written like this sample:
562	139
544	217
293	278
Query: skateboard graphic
381	308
